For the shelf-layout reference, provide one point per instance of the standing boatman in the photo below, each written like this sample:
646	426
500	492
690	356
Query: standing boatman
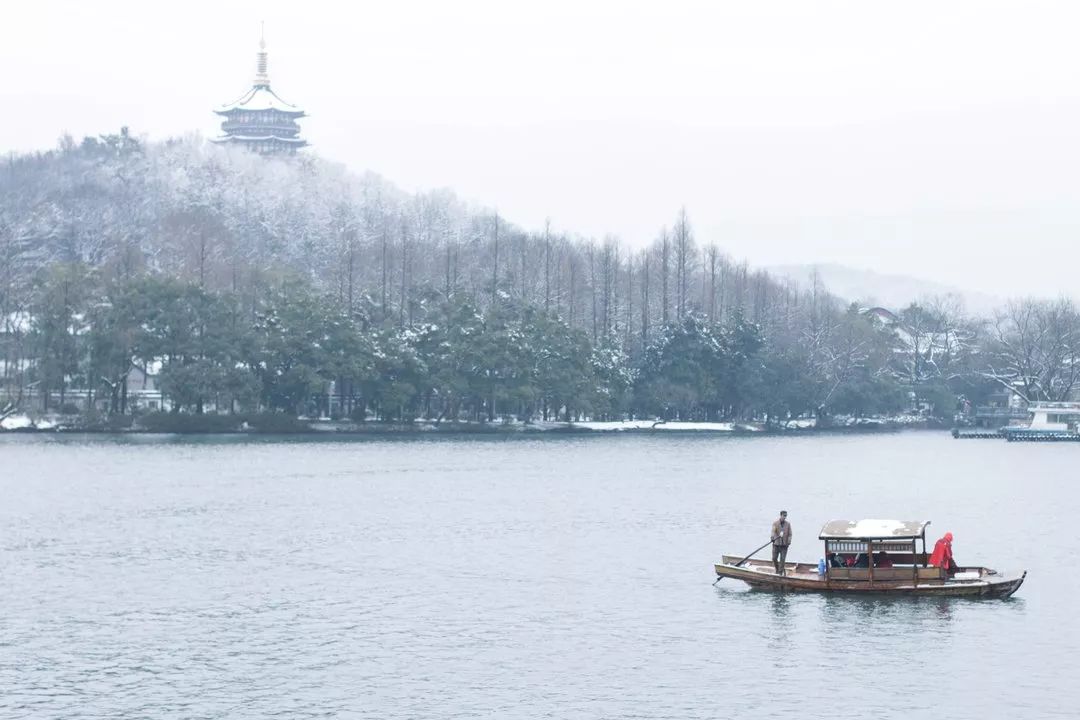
781	539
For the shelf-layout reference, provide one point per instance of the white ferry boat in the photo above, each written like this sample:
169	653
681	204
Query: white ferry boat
1048	421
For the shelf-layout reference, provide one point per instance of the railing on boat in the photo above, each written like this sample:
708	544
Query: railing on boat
1054	405
858	546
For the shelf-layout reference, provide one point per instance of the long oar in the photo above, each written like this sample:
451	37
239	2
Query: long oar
739	564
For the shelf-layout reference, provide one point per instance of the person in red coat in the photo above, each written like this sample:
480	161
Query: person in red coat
942	556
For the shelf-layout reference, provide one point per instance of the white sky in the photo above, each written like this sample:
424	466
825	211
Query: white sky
924	138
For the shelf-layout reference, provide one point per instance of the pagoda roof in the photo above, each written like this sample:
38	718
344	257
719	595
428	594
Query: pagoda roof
260	97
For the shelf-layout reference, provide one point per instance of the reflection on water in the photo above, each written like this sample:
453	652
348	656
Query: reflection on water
780	605
487	577
780	630
944	607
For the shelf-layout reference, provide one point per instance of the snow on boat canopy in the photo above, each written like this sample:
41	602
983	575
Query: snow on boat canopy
872	556
873	529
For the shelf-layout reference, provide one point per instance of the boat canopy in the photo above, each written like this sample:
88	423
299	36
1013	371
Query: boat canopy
873	529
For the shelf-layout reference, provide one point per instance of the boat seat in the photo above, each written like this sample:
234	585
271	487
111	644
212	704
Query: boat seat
893	573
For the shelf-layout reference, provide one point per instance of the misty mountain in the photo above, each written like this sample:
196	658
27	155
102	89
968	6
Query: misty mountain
891	291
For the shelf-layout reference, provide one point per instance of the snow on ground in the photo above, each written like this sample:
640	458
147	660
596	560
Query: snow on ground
21	422
16	422
907	419
619	425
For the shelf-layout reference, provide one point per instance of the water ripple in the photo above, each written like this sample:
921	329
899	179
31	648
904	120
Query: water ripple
538	578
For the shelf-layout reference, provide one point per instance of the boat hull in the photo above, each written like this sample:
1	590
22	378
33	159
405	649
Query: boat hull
1039	435
802	577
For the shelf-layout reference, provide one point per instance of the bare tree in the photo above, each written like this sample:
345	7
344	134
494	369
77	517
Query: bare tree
1036	349
385	266
685	254
495	260
645	297
712	259
404	270
547	265
665	272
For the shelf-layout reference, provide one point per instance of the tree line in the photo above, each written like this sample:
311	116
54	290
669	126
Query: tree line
299	351
294	286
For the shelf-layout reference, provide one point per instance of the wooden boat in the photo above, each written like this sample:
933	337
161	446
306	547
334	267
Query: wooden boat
909	573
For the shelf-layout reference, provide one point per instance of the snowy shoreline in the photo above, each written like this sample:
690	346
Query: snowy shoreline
17	424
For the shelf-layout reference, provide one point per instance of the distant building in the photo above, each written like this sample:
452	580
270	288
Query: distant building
886	317
1004	407
260	120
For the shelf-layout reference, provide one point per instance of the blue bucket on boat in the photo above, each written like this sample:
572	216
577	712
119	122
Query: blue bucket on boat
821	566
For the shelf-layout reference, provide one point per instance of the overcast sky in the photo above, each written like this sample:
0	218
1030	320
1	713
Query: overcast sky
932	139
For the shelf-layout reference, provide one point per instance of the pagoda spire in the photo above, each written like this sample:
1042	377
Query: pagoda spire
262	79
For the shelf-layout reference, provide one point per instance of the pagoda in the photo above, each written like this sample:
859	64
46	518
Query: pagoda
260	120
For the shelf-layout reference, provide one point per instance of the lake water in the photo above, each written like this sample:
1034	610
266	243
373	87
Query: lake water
553	577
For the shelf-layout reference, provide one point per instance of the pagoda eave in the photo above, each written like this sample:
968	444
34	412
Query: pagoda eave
294	114
295	142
